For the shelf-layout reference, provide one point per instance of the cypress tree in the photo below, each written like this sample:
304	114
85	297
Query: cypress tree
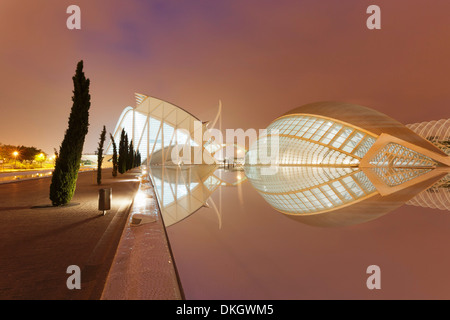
67	164
100	155
137	161
56	153
123	151
130	159
114	157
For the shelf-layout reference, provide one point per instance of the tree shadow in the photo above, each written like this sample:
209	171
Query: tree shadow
48	206
63	229
44	206
14	208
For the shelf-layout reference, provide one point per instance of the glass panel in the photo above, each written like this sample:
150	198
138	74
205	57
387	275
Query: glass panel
319	133
334	129
341	190
353	142
341	138
331	195
313	128
352	186
313	200
364	146
321	197
308	123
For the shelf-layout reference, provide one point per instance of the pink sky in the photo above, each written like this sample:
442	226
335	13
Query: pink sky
261	58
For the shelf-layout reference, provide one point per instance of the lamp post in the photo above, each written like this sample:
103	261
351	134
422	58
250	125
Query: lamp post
41	158
15	154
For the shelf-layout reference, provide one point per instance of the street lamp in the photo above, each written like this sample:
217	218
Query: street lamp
15	154
40	158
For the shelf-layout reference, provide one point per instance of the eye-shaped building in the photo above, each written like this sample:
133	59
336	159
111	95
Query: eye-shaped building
342	134
340	163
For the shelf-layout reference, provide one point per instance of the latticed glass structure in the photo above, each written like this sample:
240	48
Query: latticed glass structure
307	189
340	134
315	140
395	155
333	155
396	176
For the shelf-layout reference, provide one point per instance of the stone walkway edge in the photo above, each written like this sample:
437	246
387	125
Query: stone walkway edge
143	267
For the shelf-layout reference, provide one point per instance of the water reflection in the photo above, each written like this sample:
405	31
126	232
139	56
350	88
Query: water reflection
435	197
182	190
327	196
319	196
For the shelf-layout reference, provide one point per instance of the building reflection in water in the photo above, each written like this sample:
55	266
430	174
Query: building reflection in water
318	196
344	164
338	164
183	190
325	196
435	197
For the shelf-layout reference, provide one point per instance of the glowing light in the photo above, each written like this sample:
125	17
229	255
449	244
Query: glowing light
15	154
140	199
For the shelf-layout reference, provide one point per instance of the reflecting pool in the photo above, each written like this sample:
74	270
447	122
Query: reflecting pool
307	232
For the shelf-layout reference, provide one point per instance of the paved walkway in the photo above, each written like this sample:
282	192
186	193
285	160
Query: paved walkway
143	267
38	242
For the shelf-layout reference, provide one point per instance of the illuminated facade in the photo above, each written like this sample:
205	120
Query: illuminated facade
308	189
156	126
340	134
337	162
338	196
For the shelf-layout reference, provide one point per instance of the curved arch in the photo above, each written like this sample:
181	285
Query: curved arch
219	114
155	124
346	134
365	118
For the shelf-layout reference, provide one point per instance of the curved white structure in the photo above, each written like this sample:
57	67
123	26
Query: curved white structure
157	125
342	134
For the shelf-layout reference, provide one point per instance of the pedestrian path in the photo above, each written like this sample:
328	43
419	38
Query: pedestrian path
143	267
39	242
